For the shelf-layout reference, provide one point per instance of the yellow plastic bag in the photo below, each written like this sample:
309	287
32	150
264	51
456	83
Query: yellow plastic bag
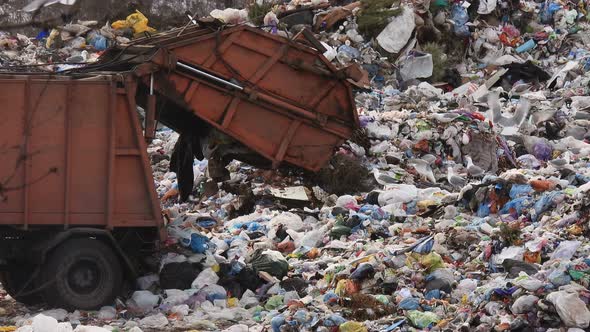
7	328
137	21
121	24
430	262
352	326
341	287
54	34
232	302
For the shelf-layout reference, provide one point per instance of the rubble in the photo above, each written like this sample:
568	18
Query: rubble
468	208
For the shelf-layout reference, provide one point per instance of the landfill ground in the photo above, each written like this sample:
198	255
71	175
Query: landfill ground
461	203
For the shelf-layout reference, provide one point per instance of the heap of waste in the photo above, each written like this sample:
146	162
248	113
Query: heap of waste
69	46
469	210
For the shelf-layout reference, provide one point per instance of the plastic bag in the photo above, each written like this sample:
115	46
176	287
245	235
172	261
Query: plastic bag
572	311
44	323
136	21
158	321
464	288
486	7
145	300
99	42
431	262
421	319
199	243
270	261
397	33
524	304
77	43
398	193
529	161
410	303
59	314
214	292
313	238
274	302
107	313
441	279
558	277
528	283
206	277
348	202
230	15
419	65
547	11
515	253
175	296
352	326
334	320
542	150
147	281
566	250
518	204
460	18
545	202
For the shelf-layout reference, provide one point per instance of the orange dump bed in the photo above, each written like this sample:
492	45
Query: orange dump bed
280	98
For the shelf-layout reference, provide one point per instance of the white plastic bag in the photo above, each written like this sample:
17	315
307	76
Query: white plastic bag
566	250
397	33
158	321
206	277
524	304
572	311
145	300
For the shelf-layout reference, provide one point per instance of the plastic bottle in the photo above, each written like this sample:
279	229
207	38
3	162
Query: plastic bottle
529	45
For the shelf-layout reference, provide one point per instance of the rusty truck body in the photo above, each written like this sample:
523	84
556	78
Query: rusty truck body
79	207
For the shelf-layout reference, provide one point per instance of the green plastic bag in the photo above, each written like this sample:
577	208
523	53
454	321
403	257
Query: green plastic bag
271	262
274	302
421	319
338	231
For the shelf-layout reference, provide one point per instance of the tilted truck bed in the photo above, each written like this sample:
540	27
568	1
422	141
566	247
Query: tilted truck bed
280	98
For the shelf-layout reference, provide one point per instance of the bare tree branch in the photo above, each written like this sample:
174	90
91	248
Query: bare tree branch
5	189
23	154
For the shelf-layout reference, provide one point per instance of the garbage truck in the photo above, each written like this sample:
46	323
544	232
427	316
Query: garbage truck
78	207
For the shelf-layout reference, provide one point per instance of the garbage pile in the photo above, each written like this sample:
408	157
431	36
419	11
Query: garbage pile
476	214
69	46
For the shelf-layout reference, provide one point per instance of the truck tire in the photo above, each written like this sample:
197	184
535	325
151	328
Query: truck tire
13	281
82	274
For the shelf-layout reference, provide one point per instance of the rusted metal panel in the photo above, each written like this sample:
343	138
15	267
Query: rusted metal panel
83	158
279	82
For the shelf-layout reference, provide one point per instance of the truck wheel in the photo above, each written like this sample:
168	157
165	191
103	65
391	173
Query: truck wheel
83	274
13	282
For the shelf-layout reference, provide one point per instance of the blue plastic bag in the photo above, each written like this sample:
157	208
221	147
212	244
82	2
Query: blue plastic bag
547	201
519	204
409	303
547	12
483	210
99	42
520	190
199	243
460	18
